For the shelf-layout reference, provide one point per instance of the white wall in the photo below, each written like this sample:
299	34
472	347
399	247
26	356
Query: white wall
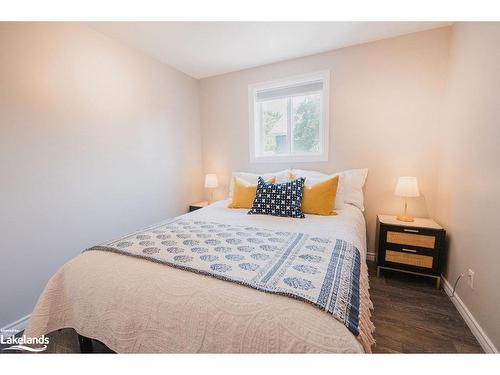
96	140
384	115
468	199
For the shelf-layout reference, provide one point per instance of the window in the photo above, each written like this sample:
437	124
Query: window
289	119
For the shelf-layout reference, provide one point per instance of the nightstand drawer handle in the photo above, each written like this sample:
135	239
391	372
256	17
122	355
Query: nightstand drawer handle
411	230
409	250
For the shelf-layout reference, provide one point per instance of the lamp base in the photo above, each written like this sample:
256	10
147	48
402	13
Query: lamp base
405	218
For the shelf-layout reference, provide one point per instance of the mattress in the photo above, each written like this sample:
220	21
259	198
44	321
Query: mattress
136	306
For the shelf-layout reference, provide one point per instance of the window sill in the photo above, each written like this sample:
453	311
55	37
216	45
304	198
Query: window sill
289	158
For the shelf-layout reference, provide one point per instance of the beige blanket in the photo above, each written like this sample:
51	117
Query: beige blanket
134	305
137	306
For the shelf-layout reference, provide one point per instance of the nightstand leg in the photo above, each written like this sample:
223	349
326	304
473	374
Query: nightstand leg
438	282
378	272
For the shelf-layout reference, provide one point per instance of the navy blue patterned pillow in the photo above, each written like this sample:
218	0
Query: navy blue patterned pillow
279	199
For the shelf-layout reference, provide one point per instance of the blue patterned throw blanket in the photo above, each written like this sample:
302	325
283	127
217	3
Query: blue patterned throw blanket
318	270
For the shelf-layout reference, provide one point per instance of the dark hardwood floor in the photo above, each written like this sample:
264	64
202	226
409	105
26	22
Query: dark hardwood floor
412	316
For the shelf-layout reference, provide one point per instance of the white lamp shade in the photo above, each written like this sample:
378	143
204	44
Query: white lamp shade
211	181
407	187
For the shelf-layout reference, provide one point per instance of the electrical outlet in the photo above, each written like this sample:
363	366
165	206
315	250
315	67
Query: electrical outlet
470	278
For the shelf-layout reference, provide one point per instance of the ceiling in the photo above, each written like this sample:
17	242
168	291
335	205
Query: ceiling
204	49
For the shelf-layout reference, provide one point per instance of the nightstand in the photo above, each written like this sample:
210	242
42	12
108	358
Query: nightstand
415	247
197	206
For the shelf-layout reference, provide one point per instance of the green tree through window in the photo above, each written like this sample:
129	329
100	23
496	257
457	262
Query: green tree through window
271	118
306	125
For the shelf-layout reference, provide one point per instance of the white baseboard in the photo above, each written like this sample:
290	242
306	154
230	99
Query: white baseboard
474	326
370	256
15	327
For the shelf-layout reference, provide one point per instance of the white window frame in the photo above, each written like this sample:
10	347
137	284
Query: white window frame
254	131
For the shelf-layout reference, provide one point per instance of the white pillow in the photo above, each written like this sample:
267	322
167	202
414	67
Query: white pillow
354	182
313	177
252	178
350	189
307	174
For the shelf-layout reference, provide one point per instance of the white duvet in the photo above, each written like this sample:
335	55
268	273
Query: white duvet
348	224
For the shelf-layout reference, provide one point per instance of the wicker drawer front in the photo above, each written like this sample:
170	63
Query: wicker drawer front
411	239
424	261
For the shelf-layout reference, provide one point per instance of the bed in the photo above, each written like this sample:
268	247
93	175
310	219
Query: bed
138	306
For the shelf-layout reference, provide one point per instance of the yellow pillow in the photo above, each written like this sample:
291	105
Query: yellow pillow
319	199
244	193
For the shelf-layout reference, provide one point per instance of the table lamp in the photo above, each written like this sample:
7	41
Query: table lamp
211	183
406	187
